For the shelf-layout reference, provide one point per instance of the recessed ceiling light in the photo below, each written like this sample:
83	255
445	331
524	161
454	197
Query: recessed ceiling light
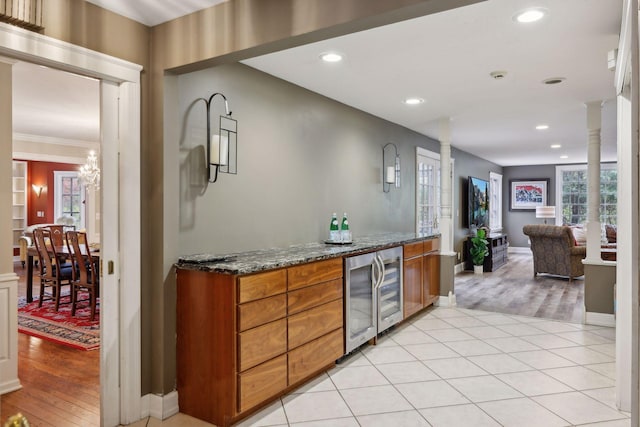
331	57
542	127
564	156
530	15
413	101
553	80
555	145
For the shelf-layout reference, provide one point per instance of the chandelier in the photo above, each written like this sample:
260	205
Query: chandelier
90	172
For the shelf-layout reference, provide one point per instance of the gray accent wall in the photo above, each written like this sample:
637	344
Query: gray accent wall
513	221
301	156
466	165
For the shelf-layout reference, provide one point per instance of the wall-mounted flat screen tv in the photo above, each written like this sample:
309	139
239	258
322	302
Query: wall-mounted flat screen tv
478	202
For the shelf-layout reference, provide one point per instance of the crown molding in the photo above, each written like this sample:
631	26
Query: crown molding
25	137
41	157
37	48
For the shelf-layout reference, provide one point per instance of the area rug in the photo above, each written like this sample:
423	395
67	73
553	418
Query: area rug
60	327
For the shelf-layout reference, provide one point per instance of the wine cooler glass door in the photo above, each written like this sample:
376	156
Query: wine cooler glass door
389	291
360	301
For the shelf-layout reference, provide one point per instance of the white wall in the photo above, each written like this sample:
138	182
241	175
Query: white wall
627	273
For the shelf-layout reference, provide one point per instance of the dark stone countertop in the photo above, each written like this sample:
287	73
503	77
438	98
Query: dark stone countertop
269	259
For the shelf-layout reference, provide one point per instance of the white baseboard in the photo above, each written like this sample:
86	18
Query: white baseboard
600	319
160	407
519	250
9	386
459	268
446	301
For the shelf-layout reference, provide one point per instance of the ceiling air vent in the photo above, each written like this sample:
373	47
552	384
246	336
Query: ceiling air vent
553	80
22	13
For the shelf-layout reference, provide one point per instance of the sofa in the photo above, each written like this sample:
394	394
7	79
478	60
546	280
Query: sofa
608	238
555	251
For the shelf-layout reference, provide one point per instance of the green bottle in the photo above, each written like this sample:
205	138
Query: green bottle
345	234
334	230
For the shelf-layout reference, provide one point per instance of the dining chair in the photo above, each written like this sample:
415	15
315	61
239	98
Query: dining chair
58	239
85	271
52	275
57	234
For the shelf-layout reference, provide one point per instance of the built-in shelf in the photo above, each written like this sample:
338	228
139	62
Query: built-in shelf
19	207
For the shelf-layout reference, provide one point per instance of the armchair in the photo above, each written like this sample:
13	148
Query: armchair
554	250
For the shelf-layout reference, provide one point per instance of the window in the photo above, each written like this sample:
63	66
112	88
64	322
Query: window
69	197
495	202
571	194
427	190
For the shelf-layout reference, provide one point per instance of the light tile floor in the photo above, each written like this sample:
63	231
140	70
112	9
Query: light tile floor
458	367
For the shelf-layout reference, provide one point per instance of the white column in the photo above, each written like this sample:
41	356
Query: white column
446	219
593	182
8	280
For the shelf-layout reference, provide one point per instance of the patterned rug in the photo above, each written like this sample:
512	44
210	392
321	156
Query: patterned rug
60	327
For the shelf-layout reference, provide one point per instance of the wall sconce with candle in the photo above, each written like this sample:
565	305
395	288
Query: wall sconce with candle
390	171
37	189
222	142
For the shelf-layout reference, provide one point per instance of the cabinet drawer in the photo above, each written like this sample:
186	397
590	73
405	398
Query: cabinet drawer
411	250
259	312
431	245
315	272
315	295
262	382
310	324
261	285
412	286
262	343
312	357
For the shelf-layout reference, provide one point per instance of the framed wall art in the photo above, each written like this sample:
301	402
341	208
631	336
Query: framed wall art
527	194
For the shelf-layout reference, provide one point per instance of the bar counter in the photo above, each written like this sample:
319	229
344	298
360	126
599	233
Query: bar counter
268	259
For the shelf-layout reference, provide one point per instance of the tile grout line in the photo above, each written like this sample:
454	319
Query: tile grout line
446	343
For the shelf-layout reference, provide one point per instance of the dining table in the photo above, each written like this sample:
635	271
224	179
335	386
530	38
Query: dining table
63	252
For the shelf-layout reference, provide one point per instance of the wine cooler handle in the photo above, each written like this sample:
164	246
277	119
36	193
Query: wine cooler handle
381	271
374	274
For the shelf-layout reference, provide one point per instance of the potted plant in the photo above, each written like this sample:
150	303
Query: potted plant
479	250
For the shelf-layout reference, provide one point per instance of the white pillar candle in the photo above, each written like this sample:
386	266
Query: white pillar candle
391	175
219	150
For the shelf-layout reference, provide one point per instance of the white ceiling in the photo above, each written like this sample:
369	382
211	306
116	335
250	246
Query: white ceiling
444	58
51	104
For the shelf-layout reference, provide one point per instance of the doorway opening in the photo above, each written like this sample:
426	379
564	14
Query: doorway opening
51	147
119	82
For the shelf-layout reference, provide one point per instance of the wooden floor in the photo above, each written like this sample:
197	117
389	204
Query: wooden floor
512	289
60	385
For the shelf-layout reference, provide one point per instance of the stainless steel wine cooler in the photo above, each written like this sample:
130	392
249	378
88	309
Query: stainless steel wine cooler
373	295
